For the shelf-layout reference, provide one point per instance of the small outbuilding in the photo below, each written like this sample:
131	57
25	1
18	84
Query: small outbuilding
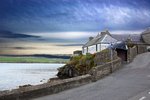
77	53
122	50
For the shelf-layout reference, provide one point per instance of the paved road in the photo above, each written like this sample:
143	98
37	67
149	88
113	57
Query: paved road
132	82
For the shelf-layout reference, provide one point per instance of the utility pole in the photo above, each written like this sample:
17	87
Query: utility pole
111	56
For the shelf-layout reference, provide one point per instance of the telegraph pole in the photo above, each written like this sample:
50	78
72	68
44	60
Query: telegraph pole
111	56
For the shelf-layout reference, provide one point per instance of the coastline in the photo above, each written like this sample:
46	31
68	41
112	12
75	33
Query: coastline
20	74
55	86
11	59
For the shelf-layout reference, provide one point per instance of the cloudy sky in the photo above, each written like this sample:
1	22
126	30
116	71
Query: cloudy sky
72	20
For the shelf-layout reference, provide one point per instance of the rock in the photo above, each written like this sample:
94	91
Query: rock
23	86
66	71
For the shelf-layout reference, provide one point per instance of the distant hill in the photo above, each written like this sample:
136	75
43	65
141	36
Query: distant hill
62	56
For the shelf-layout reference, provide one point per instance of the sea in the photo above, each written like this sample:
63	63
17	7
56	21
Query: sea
13	75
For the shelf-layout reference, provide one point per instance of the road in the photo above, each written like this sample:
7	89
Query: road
132	82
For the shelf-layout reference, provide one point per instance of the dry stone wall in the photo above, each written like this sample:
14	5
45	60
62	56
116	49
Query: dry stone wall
135	50
105	56
103	70
132	52
141	49
26	93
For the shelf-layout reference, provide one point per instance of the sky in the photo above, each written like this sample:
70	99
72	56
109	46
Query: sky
71	21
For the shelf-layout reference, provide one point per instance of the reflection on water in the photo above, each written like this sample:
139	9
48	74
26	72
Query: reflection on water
14	74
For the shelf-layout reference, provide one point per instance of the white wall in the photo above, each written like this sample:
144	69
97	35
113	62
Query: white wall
99	47
104	46
84	50
92	49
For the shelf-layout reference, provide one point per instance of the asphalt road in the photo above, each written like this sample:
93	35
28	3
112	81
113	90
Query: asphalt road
132	82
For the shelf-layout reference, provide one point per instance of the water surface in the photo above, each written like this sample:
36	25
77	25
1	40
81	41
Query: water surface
13	75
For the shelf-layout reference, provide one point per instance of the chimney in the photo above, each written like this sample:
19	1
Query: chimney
90	38
103	33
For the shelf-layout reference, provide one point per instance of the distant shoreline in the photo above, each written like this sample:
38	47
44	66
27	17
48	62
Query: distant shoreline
64	56
32	59
35	62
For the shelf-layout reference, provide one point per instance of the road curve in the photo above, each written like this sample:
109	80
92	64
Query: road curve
132	82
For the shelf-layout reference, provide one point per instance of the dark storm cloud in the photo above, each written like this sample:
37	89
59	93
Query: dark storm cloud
73	15
8	34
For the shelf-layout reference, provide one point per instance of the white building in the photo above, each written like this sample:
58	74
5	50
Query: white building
98	43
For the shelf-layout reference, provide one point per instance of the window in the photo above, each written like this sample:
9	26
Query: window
96	47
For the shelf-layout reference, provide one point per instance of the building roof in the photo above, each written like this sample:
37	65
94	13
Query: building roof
147	31
146	36
108	39
104	37
124	37
94	41
120	45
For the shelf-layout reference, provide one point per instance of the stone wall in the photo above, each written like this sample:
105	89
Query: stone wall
104	56
135	50
103	70
131	53
141	48
45	89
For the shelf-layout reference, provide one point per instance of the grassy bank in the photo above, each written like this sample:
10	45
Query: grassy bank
6	59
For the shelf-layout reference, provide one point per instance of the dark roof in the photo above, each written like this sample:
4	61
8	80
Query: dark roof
120	45
94	40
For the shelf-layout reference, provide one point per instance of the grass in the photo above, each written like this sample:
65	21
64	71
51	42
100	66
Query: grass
6	59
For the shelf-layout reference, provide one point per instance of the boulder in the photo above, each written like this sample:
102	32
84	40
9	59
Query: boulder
24	86
146	36
67	71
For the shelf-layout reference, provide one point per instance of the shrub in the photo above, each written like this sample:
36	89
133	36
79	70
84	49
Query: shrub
82	64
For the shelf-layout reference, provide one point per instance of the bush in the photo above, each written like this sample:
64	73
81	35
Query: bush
81	64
